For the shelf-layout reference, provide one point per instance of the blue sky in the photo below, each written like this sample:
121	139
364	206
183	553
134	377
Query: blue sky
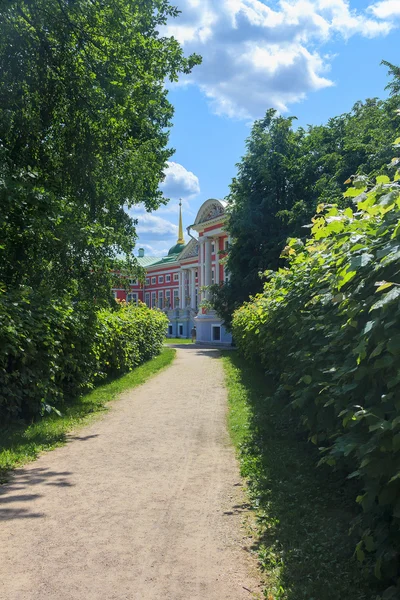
309	58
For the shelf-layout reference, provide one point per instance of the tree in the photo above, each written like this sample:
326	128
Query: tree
283	177
84	124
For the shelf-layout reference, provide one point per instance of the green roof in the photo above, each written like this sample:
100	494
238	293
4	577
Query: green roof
147	261
177	249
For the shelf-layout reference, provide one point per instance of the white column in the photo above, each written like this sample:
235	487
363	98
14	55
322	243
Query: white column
203	275
207	265
202	265
216	245
193	288
182	289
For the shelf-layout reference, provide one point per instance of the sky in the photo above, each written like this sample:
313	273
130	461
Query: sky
312	59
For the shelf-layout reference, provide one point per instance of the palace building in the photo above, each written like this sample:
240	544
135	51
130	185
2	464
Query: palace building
177	283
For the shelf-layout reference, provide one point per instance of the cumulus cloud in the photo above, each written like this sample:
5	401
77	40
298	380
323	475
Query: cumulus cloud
179	182
152	225
387	9
255	56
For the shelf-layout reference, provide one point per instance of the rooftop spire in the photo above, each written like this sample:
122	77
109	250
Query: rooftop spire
181	239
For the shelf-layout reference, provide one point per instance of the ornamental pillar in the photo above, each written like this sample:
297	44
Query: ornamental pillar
216	245
207	265
193	288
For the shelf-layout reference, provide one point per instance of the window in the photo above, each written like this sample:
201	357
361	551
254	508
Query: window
153	281
167	278
168	299
161	299
161	279
196	275
212	276
180	329
153	299
176	298
147	299
131	298
176	276
115	295
147	280
170	329
212	248
216	333
133	281
226	245
197	298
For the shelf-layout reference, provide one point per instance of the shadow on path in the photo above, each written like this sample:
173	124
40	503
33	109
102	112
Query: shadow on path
17	498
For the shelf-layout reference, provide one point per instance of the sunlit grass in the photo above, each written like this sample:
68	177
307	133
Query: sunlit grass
302	512
178	341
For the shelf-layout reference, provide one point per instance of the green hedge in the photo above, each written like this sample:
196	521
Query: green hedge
51	350
328	328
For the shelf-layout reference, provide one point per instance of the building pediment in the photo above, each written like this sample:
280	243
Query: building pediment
191	250
211	209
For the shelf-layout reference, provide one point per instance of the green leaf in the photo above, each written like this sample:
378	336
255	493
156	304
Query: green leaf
383	285
382	179
389	297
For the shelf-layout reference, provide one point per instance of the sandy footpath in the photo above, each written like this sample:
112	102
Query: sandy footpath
144	504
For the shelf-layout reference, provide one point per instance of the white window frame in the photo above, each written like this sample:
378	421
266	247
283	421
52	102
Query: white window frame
167	298
133	282
176	295
212	247
153	299
132	297
180	325
212	276
213	328
153	281
167	278
147	299
160	297
170	329
176	276
161	279
147	282
226	245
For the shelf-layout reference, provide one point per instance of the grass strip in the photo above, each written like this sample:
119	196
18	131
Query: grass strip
21	443
178	341
302	512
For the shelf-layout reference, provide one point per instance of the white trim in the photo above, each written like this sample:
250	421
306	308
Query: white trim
213	328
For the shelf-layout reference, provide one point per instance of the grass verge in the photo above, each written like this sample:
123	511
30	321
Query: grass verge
21	443
178	341
302	513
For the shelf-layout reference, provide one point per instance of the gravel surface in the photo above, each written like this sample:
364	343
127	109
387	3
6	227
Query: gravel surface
145	503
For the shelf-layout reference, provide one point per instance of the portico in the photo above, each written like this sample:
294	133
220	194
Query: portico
177	283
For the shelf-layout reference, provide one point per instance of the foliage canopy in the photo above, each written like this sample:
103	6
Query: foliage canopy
286	173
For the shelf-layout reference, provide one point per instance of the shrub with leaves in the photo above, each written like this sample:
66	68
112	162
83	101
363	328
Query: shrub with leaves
51	351
328	328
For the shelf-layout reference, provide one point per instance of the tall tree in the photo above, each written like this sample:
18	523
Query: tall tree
84	120
285	174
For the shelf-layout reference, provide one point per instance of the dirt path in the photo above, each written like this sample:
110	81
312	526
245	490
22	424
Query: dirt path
145	504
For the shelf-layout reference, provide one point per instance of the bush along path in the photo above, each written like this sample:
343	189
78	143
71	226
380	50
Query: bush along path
302	514
327	328
145	503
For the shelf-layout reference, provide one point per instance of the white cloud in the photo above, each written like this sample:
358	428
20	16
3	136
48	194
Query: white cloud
255	56
387	9
152	224
179	182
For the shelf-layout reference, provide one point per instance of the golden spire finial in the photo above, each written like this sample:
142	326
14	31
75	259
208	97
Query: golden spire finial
181	239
